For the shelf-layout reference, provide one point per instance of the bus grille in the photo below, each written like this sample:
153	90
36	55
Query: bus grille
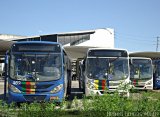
114	83
45	86
139	86
32	98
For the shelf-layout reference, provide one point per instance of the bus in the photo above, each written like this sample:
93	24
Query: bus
141	73
37	71
105	70
156	74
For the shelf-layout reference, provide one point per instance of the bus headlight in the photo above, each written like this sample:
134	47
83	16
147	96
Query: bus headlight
14	89
149	83
57	88
91	85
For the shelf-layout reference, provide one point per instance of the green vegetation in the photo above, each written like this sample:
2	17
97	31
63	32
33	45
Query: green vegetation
138	104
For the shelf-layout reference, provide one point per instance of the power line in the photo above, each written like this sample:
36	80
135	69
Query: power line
157	44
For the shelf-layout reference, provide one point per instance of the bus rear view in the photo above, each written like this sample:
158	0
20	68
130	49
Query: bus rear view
36	72
141	73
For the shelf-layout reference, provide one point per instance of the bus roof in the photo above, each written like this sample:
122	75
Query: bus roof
140	58
36	46
77	51
100	48
28	42
152	55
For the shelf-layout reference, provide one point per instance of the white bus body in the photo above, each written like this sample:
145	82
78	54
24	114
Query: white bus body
105	71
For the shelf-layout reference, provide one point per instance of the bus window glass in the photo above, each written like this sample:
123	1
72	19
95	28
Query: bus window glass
35	67
107	68
141	69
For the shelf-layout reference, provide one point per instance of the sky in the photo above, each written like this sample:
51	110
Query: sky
136	22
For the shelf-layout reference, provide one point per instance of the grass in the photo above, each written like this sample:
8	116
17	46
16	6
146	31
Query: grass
148	104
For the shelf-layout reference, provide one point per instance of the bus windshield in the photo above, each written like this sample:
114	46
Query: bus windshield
35	67
141	69
111	68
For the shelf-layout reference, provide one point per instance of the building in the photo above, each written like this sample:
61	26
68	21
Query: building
7	37
75	42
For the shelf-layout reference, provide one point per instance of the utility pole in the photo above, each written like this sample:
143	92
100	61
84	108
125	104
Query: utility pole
157	43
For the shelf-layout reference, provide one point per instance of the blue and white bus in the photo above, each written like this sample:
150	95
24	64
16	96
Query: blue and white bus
37	71
105	70
141	73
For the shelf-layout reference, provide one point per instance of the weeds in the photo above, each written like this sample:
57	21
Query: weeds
107	105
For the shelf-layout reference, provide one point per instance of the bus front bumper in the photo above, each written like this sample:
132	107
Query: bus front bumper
108	91
43	97
145	87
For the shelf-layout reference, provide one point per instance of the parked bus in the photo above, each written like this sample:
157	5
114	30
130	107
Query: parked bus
156	74
37	71
105	71
141	73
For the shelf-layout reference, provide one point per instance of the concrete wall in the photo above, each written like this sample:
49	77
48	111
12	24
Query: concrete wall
101	38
